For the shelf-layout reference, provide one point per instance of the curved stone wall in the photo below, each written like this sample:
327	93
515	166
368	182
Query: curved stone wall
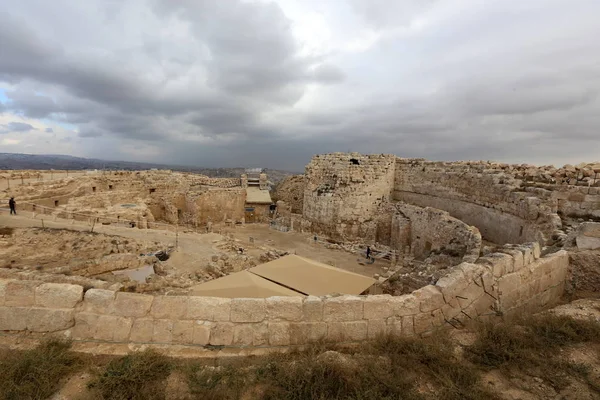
479	195
429	229
498	284
344	192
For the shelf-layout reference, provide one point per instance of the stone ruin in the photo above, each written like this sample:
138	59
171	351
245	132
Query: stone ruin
463	240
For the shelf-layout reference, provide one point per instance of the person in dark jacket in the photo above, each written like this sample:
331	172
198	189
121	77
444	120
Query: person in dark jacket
12	204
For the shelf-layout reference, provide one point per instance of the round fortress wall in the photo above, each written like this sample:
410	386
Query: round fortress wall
501	283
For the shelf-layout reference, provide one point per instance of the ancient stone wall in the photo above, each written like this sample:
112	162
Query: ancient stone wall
500	284
478	194
343	193
428	229
200	207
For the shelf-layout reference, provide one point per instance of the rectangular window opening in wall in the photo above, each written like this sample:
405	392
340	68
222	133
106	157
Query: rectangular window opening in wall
109	187
521	232
93	188
152	190
55	203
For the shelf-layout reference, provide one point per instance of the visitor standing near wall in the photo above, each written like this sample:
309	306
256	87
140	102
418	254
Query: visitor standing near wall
13	206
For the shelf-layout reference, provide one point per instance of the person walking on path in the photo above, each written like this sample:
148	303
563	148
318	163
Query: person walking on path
12	204
368	252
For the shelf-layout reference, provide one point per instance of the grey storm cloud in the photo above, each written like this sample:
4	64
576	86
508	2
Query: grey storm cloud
231	82
16	127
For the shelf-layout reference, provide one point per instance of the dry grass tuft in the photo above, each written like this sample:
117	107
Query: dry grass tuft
137	376
530	346
36	374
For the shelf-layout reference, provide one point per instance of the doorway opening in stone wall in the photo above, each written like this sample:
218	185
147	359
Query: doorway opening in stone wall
249	215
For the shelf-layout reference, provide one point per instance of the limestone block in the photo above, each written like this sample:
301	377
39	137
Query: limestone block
209	308
20	293
537	250
509	282
202	332
429	297
142	330
517	259
394	325
104	329
169	307
558	274
283	308
58	295
312	309
376	328
472	271
451	310
532	289
162	331
378	307
122	329
422	323
343	308
261	334
3	284
452	284
509	300
408	325
85	325
405	305
221	334
243	335
489	283
99	301
469	295
13	318
183	332
49	319
437	318
588	236
132	304
347	331
279	333
485	305
501	264
248	310
527	251
307	332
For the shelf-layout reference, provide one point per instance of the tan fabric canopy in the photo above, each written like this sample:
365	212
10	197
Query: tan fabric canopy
256	196
312	277
241	284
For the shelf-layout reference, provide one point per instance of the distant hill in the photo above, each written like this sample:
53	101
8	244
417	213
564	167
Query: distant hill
52	161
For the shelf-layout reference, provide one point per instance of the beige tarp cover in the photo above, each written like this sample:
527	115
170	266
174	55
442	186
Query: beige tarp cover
312	277
256	196
241	284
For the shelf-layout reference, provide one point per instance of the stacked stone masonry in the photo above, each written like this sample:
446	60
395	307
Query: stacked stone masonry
517	279
346	196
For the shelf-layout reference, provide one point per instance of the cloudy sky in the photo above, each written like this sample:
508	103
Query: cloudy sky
270	83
